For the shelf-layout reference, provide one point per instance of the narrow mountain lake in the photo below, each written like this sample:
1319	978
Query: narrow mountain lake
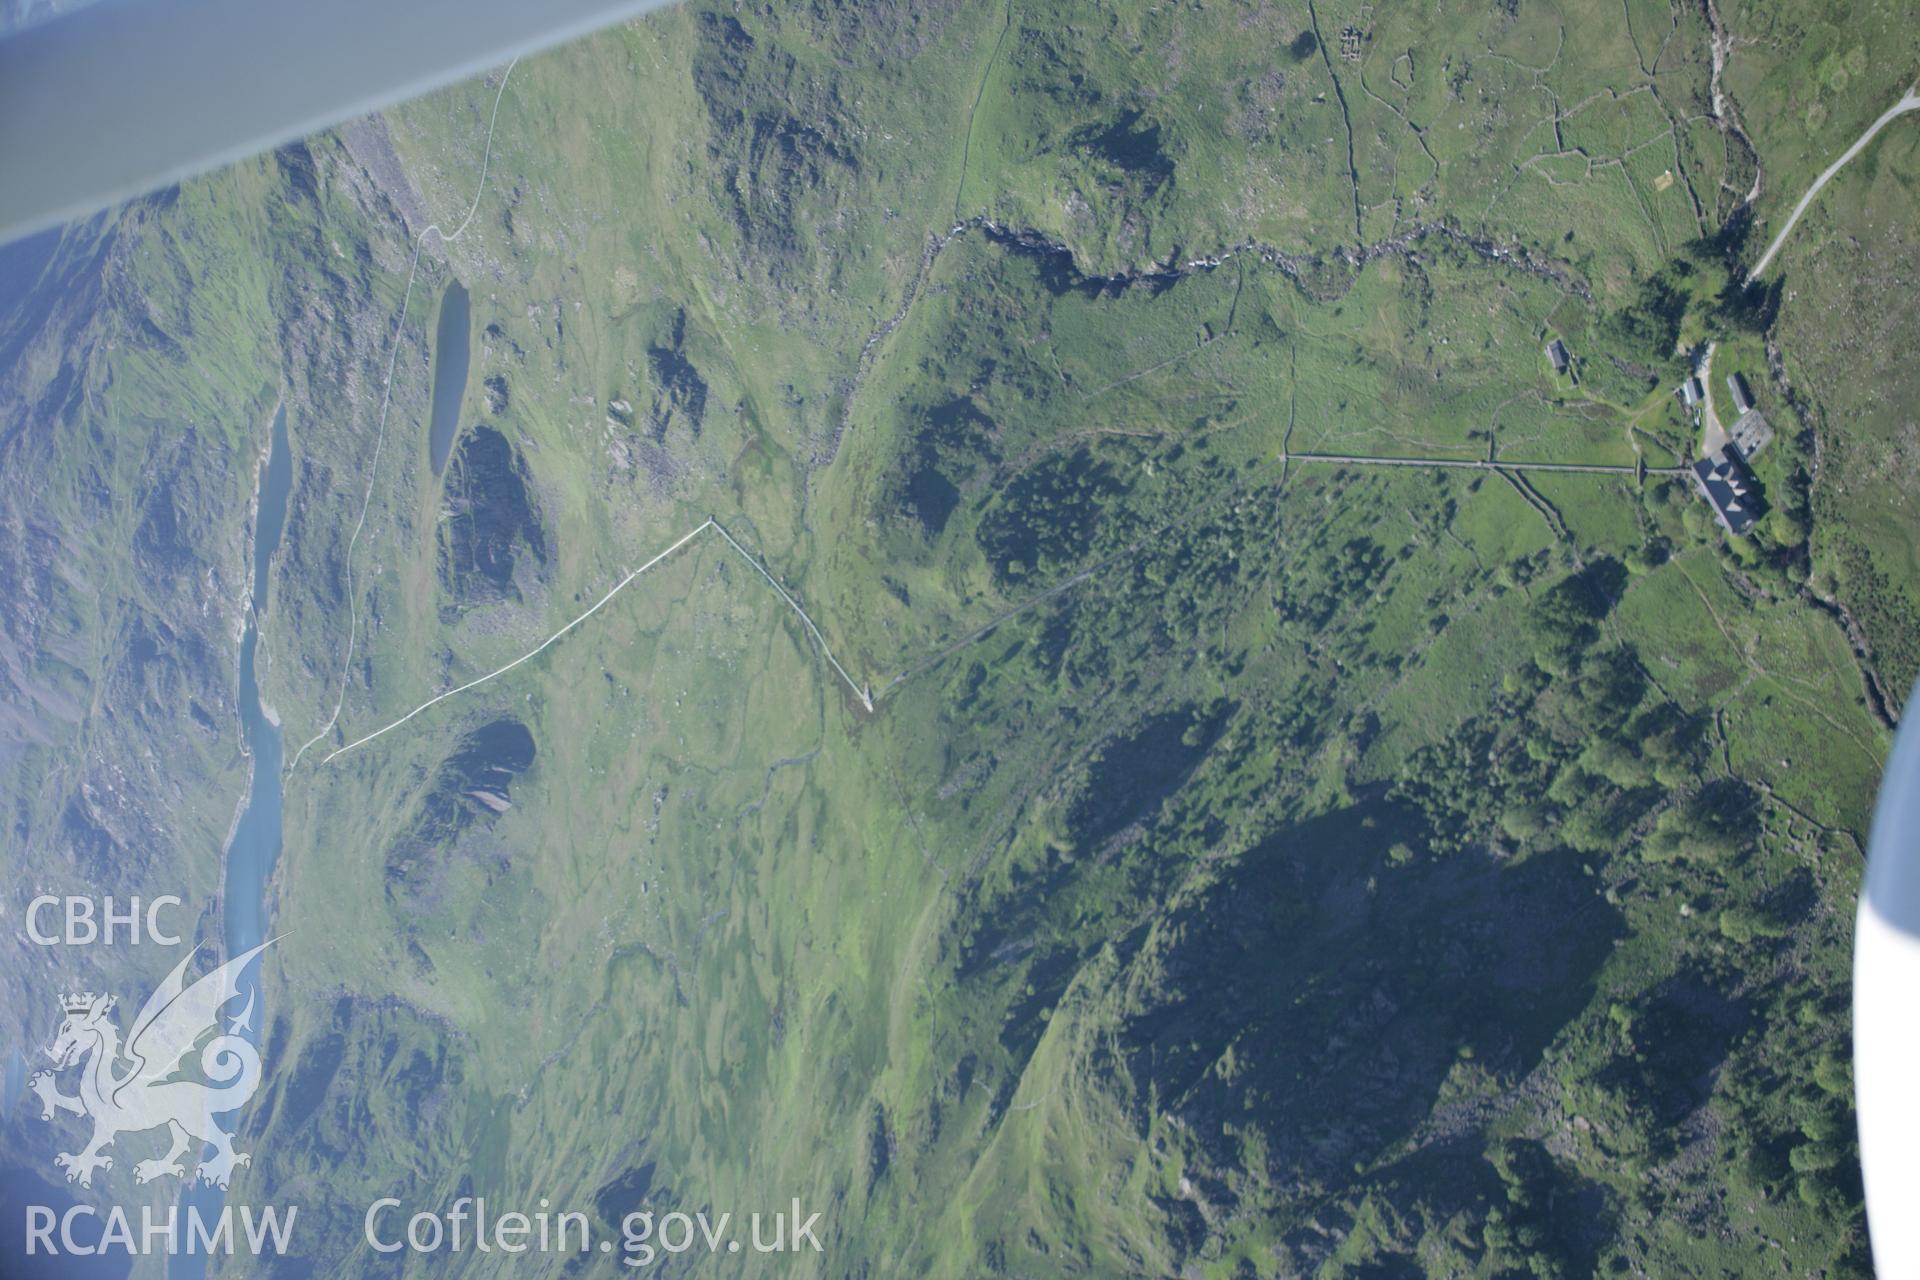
255	845
450	358
275	484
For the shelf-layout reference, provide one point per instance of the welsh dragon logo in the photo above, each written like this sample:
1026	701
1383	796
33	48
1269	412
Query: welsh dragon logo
145	1094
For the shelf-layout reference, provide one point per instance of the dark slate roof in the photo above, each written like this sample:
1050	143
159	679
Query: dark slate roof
1724	478
1557	352
1742	398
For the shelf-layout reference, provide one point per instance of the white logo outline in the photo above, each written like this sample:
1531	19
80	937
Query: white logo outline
147	1095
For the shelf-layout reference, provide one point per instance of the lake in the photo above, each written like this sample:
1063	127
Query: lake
450	357
250	857
255	845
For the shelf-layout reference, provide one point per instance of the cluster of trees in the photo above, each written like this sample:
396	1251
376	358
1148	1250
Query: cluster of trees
1732	301
1791	1130
1704	290
1647	329
1711	825
1350	572
1577	755
1565	620
1051	516
1545	1225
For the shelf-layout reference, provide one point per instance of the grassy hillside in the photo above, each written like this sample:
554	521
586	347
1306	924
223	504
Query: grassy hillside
1253	861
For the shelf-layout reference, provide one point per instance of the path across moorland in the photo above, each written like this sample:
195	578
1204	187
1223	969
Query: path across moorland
1911	102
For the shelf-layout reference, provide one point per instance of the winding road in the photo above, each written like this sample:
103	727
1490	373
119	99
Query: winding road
386	405
1911	102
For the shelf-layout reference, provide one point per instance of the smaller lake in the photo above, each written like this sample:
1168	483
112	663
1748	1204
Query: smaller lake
275	485
450	357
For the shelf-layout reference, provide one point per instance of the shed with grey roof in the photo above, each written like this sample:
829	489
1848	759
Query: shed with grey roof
1742	398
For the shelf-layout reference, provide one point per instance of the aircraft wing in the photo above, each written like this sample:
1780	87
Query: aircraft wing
1886	1012
121	97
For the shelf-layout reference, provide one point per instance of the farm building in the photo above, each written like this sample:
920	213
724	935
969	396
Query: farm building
1728	487
1742	398
1557	353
